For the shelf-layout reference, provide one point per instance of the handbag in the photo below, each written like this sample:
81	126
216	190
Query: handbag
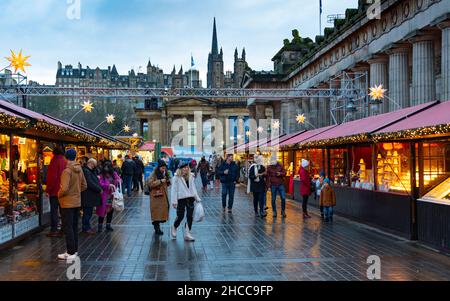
199	212
118	203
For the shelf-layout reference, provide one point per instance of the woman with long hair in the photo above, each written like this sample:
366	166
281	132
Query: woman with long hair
159	199
183	198
109	181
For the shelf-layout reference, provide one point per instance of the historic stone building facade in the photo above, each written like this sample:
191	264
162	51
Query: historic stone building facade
407	50
157	116
216	78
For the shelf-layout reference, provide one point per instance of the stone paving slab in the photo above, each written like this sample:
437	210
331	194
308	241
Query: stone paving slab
237	246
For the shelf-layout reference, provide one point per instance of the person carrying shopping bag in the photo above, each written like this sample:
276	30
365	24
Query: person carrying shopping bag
157	183
183	197
109	181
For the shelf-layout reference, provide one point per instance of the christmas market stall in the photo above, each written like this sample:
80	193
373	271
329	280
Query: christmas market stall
27	142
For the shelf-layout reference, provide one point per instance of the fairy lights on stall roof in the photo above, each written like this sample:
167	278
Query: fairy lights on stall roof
13	122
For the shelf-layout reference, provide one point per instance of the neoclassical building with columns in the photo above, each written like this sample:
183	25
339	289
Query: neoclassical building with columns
406	49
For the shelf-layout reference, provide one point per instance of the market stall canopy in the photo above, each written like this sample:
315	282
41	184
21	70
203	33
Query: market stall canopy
44	126
361	129
167	150
304	135
434	121
261	143
148	146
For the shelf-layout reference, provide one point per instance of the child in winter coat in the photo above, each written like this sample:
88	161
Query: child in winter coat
327	200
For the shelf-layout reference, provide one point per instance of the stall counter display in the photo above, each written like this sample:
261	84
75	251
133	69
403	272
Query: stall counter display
393	167
5	198
440	194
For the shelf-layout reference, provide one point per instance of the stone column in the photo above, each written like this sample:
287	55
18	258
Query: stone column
379	76
314	112
399	77
361	82
284	117
306	110
293	110
424	80
445	61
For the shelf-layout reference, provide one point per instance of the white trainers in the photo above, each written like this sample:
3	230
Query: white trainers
67	256
173	232
187	234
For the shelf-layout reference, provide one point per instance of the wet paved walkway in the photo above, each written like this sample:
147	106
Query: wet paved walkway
237	246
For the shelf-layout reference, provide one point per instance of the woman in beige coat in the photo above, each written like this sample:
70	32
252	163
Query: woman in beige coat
159	200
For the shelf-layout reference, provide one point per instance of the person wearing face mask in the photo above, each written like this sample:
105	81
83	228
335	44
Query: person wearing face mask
109	181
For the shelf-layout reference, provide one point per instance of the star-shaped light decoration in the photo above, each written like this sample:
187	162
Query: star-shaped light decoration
377	92
276	125
239	137
126	128
248	133
301	118
18	62
260	129
110	118
135	135
87	106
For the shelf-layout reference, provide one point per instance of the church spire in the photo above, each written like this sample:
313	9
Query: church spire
215	47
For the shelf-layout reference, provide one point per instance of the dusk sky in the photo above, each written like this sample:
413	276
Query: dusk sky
128	33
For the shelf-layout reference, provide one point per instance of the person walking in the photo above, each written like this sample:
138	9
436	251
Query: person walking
327	200
91	197
305	186
158	182
109	181
275	176
183	196
72	185
257	176
127	174
228	173
319	185
54	172
203	168
140	173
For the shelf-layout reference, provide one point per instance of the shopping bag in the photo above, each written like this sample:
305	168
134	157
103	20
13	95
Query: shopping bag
199	212
118	203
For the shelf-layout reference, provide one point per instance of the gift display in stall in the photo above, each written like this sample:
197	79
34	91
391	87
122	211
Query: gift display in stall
5	201
362	170
393	167
338	163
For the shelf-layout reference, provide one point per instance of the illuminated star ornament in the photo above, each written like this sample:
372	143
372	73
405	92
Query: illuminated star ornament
18	62
87	106
377	92
248	133
110	118
126	128
135	135
260	129
301	118
276	125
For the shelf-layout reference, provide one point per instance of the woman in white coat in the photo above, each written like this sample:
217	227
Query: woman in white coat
183	197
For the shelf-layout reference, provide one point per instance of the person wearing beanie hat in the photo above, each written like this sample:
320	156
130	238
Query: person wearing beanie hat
305	186
327	200
73	183
157	183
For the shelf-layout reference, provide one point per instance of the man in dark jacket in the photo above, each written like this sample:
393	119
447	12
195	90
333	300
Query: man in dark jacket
54	172
139	173
275	178
91	197
127	174
228	173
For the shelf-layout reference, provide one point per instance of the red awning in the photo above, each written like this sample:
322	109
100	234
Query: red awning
301	136
167	150
434	116
147	147
368	125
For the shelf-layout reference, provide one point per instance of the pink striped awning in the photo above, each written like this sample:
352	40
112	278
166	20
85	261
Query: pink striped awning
304	136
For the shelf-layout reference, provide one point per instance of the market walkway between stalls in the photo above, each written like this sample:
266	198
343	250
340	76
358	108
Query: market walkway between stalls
237	246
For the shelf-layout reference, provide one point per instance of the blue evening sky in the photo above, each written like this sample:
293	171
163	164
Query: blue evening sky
129	32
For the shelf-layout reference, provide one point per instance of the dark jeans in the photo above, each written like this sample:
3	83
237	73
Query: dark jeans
127	179
278	189
305	203
328	212
204	177
188	205
138	182
228	189
54	210
258	199
109	218
70	226
86	220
